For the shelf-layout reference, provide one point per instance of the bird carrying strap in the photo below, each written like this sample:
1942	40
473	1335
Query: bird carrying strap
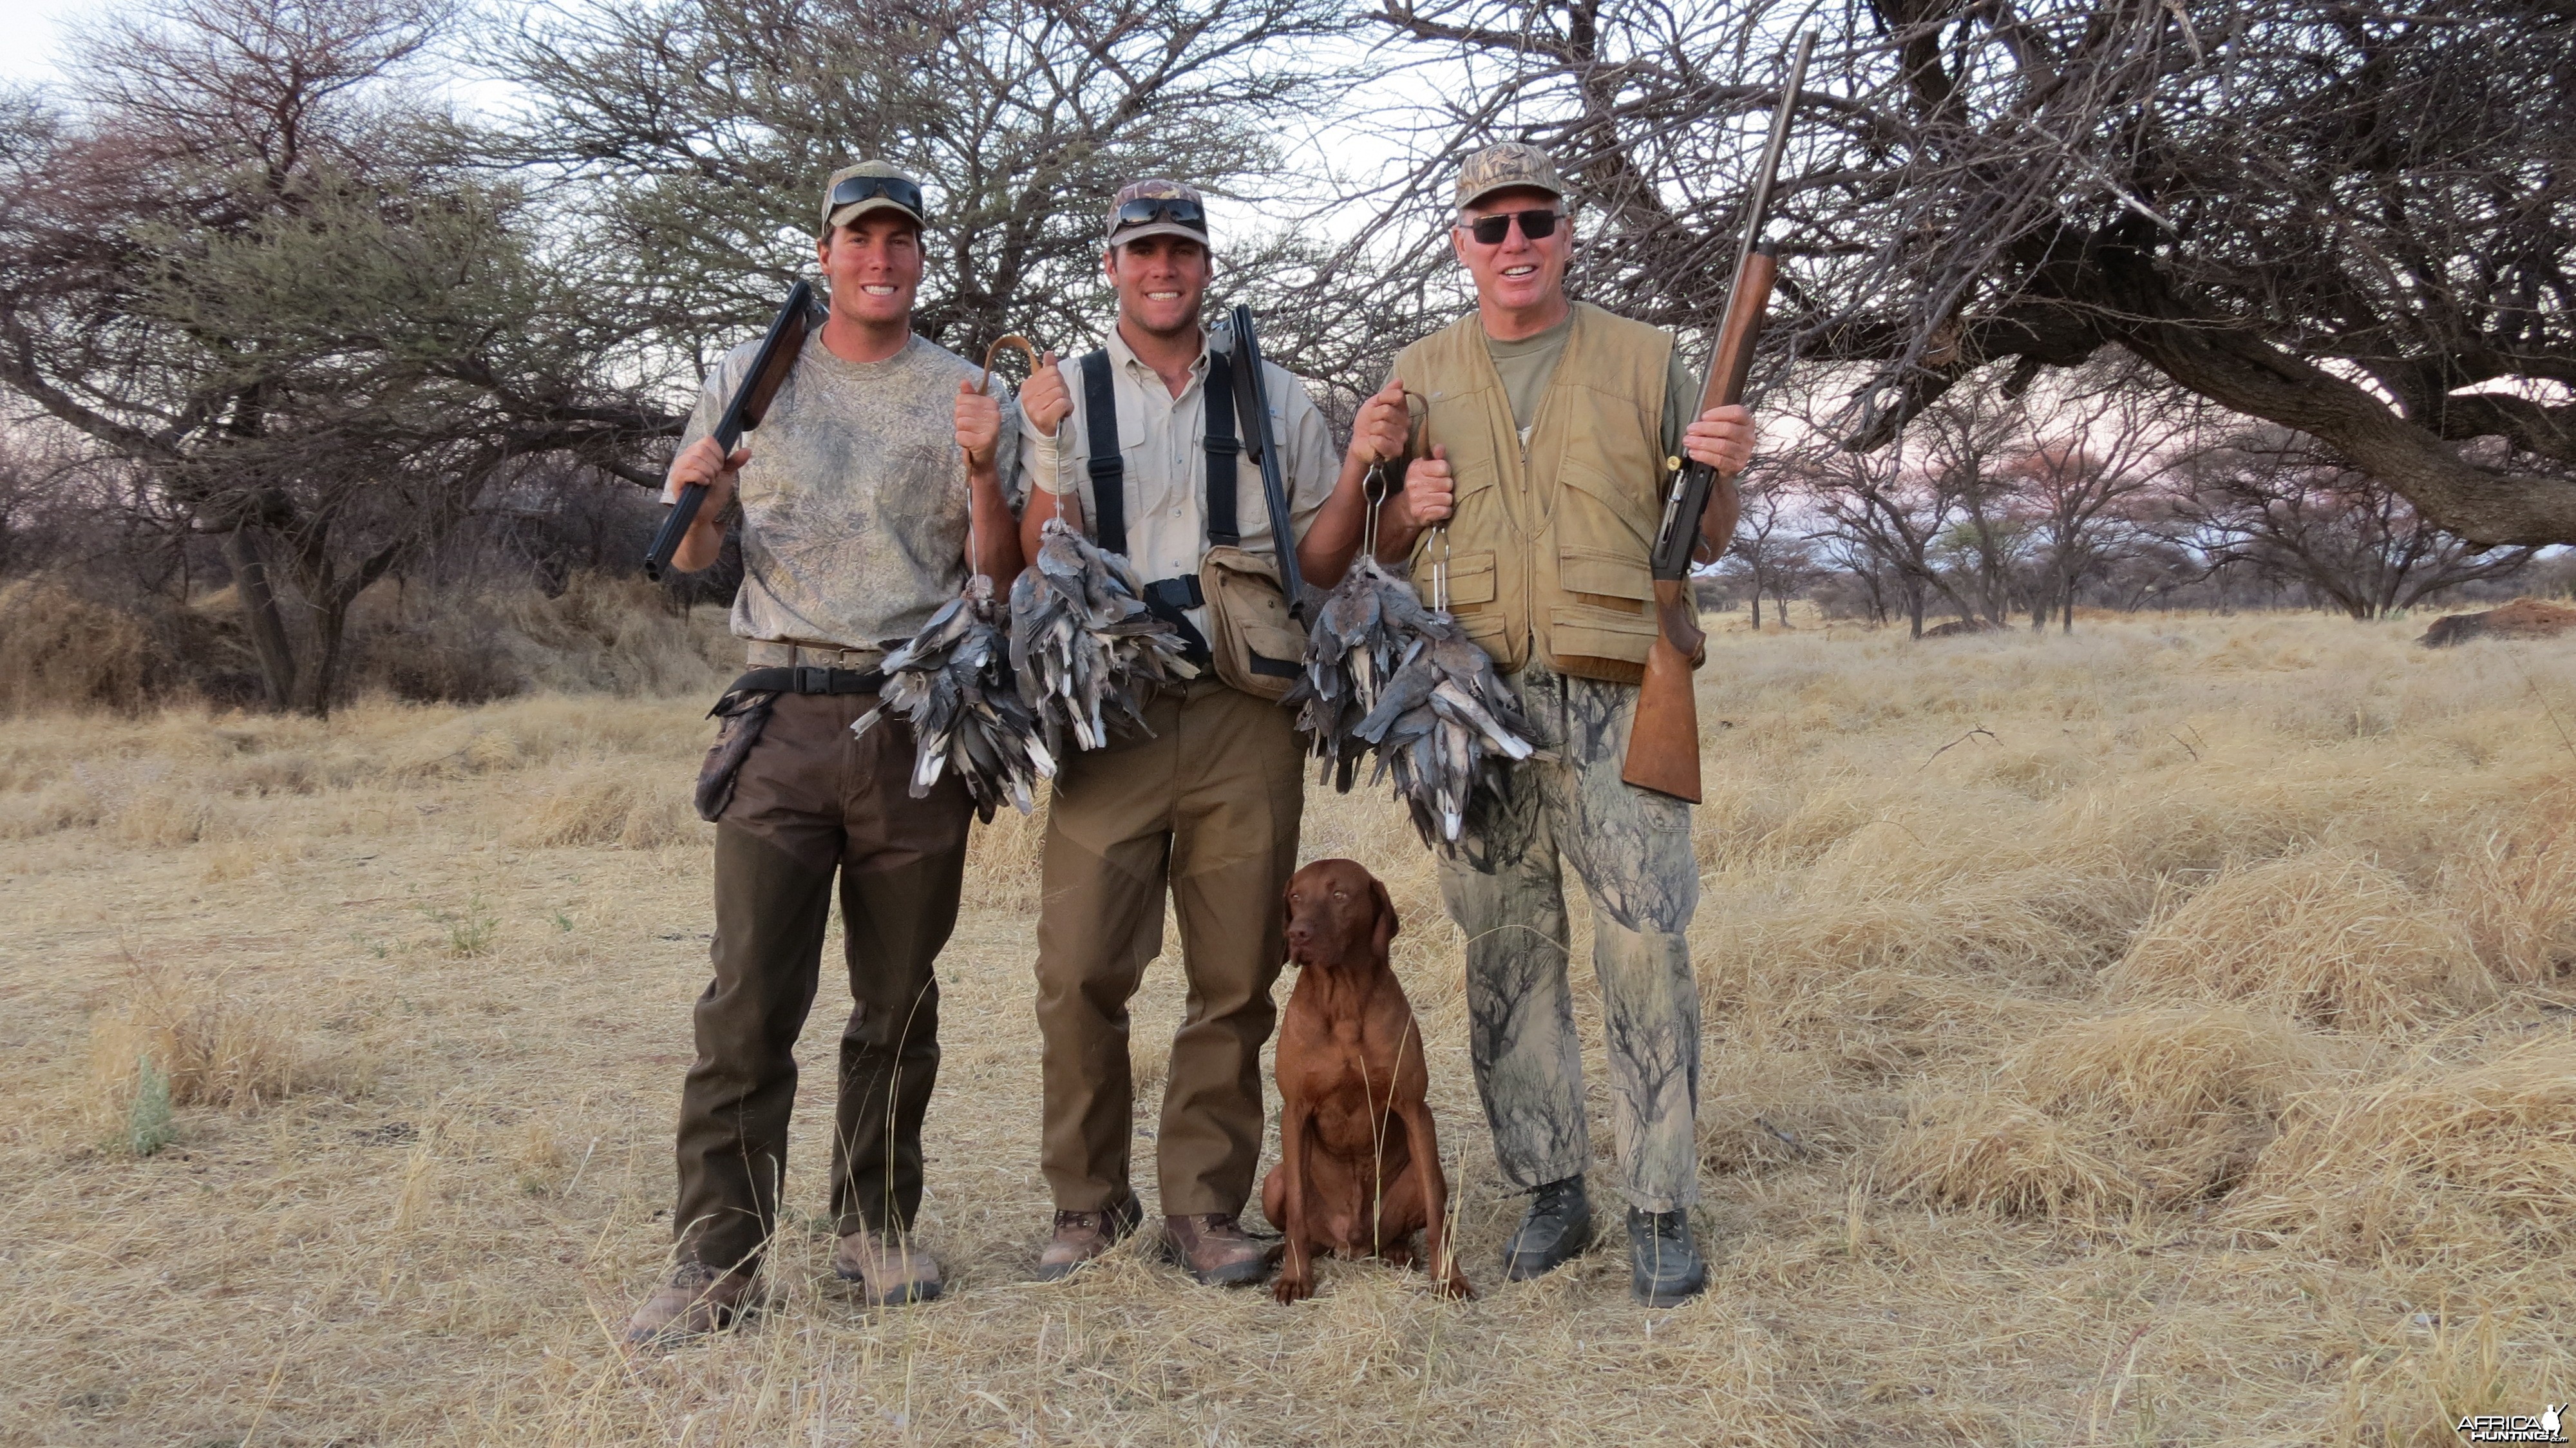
1108	465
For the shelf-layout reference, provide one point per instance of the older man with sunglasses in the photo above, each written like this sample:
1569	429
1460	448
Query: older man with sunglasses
1142	439
879	465
1543	432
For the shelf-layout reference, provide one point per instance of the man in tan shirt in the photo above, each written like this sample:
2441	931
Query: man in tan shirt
1548	431
1208	806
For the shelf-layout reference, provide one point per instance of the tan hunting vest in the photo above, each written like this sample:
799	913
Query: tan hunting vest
1548	548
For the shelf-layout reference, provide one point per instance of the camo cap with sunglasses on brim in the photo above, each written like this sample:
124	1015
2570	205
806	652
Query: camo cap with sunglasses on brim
854	191
1507	166
1156	208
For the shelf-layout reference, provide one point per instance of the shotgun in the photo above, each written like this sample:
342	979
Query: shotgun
1252	416
769	368
1663	741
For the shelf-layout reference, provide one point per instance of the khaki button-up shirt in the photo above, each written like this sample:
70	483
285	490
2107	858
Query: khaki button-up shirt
1164	440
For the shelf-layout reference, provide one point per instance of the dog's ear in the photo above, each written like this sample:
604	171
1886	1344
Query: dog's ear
1386	921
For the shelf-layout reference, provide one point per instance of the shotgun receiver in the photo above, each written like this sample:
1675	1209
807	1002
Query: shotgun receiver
769	368
1663	740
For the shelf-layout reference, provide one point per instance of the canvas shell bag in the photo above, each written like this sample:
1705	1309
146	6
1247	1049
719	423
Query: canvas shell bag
1255	644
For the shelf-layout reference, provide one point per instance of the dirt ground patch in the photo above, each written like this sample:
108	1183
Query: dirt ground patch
2158	1035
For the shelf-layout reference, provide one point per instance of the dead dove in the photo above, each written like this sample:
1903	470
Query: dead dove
1384	674
1083	646
952	683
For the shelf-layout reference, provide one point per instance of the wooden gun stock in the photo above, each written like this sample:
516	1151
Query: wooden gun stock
1663	736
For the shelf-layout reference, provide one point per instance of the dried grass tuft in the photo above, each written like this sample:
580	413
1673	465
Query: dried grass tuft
2326	935
2457	1160
212	1048
608	805
2157	1108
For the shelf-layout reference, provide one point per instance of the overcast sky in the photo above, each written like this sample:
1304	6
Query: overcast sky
28	32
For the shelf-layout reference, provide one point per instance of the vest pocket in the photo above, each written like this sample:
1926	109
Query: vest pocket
1471	577
1600	578
1578	632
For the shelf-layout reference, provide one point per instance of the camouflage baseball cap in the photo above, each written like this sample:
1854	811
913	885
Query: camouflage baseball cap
1156	208
854	191
1506	166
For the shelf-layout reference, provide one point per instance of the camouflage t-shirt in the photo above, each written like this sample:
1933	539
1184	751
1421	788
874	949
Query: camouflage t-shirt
854	502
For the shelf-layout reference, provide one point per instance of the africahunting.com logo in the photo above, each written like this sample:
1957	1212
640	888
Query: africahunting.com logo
2516	1428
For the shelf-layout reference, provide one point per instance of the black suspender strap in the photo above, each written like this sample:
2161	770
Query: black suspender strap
1222	449
1108	464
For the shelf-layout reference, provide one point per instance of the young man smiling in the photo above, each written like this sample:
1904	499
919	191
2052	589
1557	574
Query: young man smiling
1209	804
878	464
1536	477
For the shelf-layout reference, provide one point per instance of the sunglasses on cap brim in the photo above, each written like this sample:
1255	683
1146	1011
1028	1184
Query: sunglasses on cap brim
1537	224
893	188
1147	210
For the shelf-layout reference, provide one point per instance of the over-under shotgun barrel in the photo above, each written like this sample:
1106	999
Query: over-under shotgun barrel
749	404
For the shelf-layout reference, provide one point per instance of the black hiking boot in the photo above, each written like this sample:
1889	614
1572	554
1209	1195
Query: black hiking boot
1555	1230
1664	1266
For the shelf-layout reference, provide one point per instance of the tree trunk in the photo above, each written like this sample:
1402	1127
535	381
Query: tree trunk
268	638
1757	608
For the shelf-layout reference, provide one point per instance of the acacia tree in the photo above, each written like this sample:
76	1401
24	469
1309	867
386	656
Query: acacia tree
2350	219
241	260
2087	479
2270	502
694	134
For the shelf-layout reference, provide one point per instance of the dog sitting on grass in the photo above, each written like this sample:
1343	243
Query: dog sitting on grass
1359	1160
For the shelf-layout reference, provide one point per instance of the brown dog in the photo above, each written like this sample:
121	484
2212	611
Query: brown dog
1359	1162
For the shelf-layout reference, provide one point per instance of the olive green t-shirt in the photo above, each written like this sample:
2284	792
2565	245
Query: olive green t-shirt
1526	366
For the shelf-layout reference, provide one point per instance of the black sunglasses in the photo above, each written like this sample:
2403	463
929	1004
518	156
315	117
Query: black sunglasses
1146	210
893	188
1537	224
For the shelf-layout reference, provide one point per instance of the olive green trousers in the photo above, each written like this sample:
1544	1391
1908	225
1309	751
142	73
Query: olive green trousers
813	803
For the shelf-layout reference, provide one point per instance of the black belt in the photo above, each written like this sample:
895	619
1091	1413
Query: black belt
810	679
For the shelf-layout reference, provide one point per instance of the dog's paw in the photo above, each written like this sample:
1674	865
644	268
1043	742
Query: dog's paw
1455	1289
1290	1287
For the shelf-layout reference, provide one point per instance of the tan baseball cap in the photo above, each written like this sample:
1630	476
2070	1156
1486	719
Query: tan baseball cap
1507	166
1156	208
870	186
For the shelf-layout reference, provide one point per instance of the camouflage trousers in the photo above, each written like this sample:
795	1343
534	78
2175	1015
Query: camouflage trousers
1504	885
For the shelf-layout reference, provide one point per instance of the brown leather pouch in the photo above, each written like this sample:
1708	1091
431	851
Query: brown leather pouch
1258	647
745	714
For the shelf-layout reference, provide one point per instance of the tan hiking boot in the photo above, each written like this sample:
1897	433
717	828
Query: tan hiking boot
696	1301
1081	1236
1215	1250
890	1267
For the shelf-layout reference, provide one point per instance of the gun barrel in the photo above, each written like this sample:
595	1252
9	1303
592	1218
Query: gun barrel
1252	408
743	412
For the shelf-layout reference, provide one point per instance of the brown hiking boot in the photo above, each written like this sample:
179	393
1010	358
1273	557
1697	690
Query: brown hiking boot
1081	1236
696	1301
890	1268
1215	1250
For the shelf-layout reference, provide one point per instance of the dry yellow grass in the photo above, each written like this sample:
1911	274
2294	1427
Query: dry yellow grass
2162	1035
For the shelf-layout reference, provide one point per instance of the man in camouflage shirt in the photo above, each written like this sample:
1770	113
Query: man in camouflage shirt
877	471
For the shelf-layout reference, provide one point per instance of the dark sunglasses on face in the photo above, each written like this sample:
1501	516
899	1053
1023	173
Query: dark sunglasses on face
893	188
1147	210
1537	224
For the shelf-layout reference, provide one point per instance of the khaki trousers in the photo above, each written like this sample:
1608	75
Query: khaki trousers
1504	885
1208	807
811	802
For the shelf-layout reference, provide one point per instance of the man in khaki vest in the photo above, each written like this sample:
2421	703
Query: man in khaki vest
1208	806
1544	434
